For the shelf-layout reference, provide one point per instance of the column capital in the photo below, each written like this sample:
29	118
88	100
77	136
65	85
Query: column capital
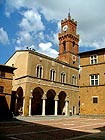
30	97
56	98
17	96
67	99
44	97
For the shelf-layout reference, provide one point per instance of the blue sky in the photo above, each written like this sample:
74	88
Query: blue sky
36	23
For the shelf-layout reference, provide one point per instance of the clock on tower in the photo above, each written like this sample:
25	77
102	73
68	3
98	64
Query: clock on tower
65	28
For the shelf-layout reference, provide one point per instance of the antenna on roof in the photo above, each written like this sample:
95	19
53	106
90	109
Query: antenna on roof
27	48
33	49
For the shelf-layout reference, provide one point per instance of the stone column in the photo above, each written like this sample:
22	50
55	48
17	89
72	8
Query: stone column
66	106
30	99
56	106
16	111
23	106
43	107
43	104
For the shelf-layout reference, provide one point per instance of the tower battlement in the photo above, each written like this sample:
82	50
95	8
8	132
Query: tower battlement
68	19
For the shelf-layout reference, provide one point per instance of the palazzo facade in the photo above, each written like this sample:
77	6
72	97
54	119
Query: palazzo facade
92	83
6	77
46	86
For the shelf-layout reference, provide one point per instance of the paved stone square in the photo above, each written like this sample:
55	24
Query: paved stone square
53	128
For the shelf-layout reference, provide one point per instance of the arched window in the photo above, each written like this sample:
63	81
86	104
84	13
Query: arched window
63	77
39	71
52	75
73	46
73	43
64	46
74	80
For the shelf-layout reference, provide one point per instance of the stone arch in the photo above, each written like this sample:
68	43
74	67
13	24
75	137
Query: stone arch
61	102
19	94
50	103
36	104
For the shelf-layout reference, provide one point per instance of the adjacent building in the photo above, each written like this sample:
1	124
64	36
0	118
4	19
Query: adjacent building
92	83
6	77
46	86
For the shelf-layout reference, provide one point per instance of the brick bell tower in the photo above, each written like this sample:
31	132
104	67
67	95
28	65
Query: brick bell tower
68	42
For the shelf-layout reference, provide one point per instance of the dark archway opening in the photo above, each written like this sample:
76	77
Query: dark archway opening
61	102
36	106
50	103
17	102
4	108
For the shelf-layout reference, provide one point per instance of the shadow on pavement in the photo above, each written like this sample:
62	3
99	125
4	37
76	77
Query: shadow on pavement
22	130
101	128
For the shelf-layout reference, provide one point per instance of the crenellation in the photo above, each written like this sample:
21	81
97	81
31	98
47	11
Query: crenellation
75	22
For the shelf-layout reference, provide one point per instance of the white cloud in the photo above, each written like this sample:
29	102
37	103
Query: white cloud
41	35
89	14
45	48
54	35
24	38
99	44
31	21
20	3
3	37
55	38
31	29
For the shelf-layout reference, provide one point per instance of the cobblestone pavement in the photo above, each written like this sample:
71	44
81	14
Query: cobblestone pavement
53	128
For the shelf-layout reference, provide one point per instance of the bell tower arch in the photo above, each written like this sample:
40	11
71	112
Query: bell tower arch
68	42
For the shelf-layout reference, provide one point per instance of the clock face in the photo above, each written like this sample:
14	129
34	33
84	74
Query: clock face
65	28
